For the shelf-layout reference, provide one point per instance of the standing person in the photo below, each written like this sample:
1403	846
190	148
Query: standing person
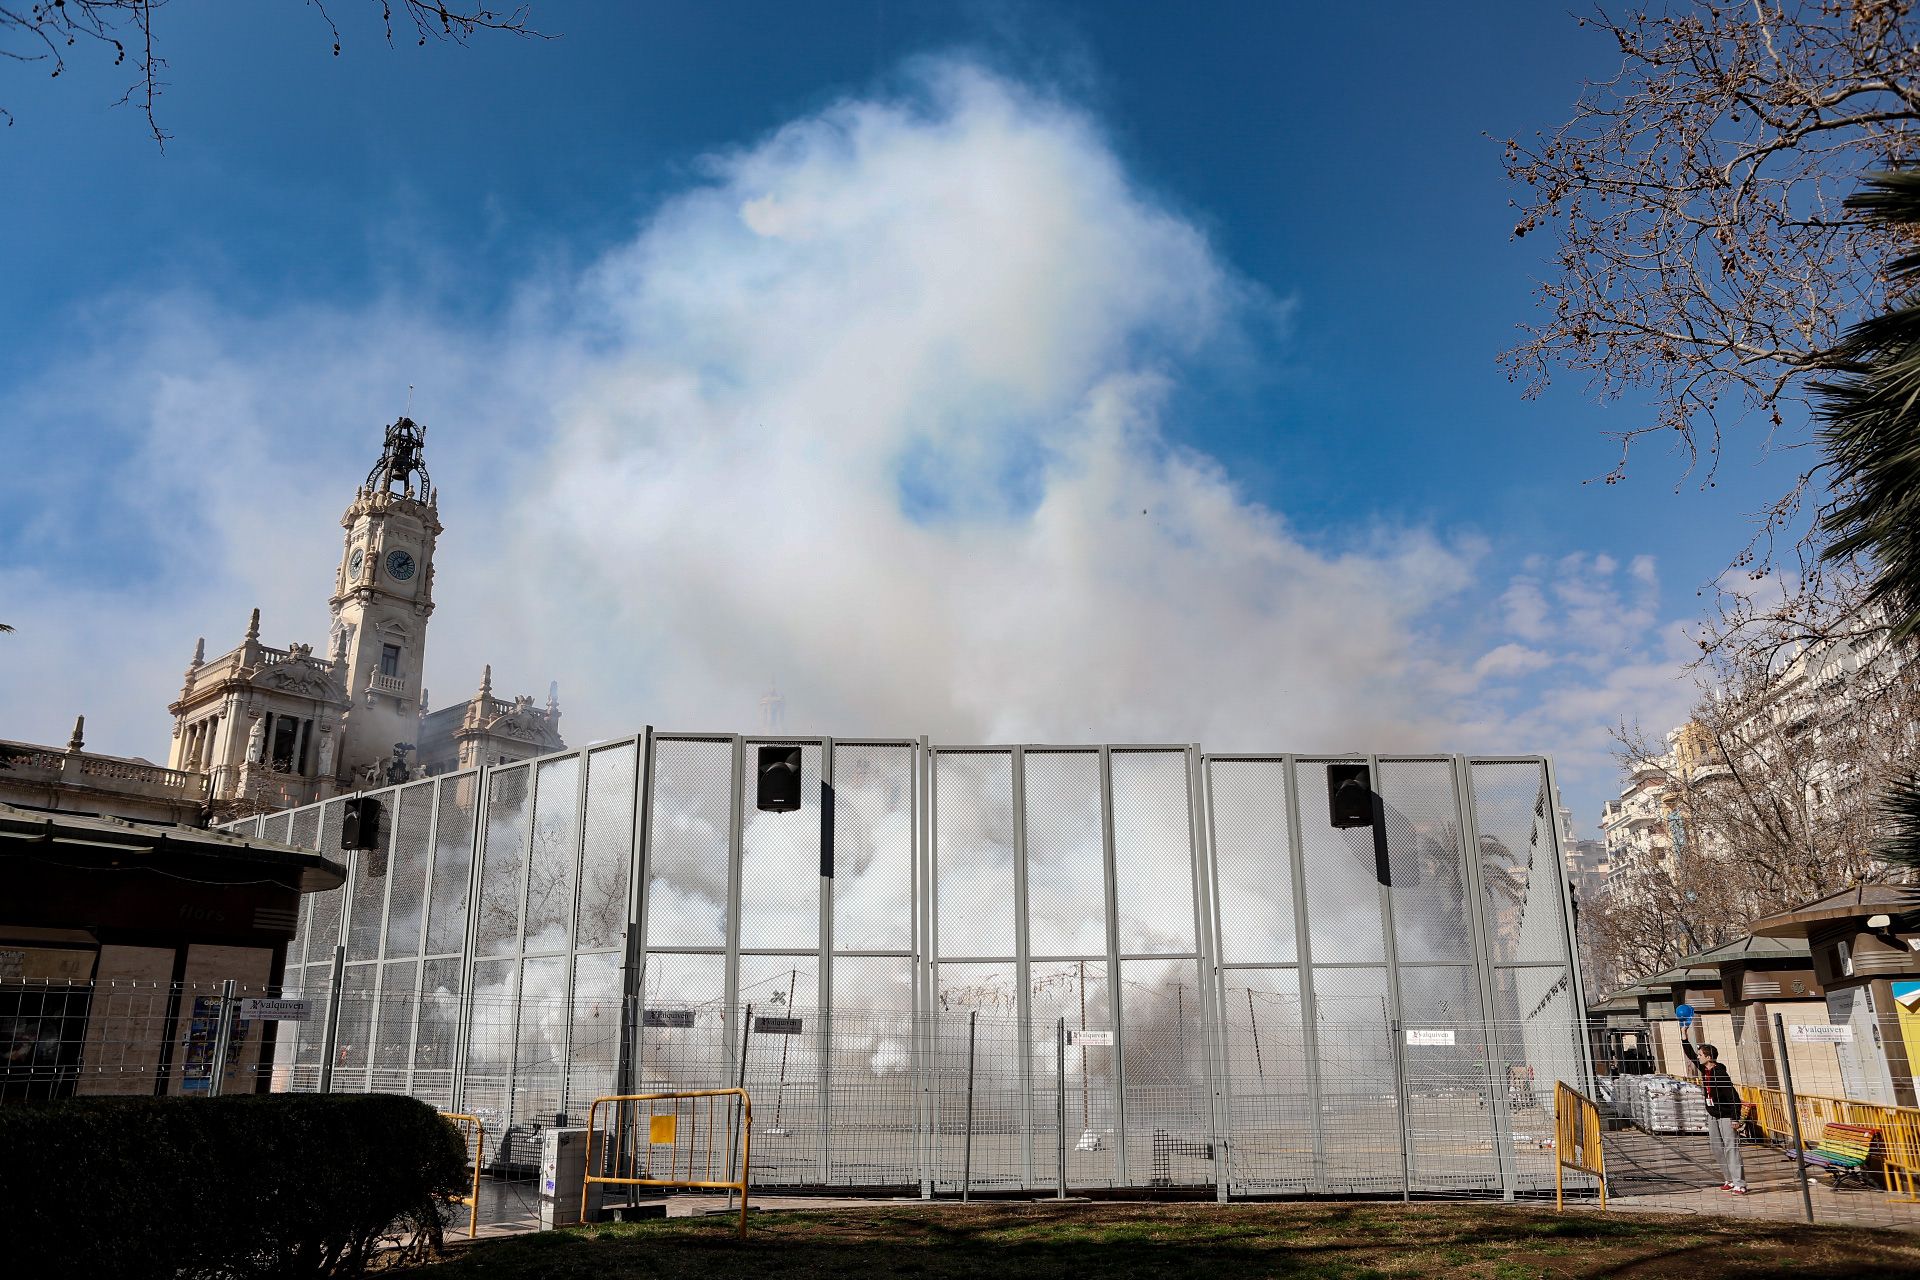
1723	1115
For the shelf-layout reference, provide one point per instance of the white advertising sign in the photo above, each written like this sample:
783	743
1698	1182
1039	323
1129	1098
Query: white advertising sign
1090	1037
1425	1036
1821	1033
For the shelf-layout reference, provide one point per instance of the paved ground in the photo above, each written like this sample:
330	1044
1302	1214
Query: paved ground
1675	1173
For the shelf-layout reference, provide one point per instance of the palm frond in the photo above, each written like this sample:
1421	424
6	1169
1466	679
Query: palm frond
1900	814
1871	432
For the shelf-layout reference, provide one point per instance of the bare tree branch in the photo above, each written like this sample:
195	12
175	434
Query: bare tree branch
1772	794
43	31
1703	253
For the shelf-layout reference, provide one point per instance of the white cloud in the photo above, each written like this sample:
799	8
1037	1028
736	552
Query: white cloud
874	411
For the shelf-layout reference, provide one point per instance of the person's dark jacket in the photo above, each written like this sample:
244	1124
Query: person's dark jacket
1723	1100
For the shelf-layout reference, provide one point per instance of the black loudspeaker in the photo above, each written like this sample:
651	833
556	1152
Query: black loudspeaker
360	829
1349	795
779	790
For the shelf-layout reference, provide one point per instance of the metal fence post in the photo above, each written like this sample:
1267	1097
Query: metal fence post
221	1039
927	948
746	1030
1400	1101
1023	959
1793	1111
1495	1044
966	1164
1116	1001
1060	1103
329	1045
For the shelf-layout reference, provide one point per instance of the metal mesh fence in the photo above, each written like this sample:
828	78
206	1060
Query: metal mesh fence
947	1102
1165	969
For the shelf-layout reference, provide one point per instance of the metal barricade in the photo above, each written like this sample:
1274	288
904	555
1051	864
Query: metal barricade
474	1133
1576	1141
701	1136
1895	1156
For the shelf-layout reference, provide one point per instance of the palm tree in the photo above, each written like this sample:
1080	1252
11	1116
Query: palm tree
1872	420
1871	434
1900	810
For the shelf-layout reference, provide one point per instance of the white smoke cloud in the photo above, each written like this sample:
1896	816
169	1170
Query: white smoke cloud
876	411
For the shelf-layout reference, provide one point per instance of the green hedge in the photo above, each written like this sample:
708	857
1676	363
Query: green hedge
272	1185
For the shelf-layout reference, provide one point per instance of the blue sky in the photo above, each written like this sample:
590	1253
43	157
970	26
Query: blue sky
1271	315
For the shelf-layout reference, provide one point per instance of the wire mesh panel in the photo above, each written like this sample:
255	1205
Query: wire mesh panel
1066	856
593	1039
1432	918
606	865
1359	1107
367	898
1153	852
978	1139
874	1085
1169	1103
553	858
354	1041
503	863
1077	992
325	828
973	852
457	806
1271	1119
1519	863
678	979
407	867
540	1042
686	1047
488	1076
1252	860
436	1042
1444	1054
391	1055
690	843
782	1069
1342	874
780	865
1536	1043
873	847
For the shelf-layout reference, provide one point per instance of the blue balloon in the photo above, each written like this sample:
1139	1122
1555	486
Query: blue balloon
1684	1012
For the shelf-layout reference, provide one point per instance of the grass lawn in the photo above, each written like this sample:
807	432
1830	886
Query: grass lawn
1014	1241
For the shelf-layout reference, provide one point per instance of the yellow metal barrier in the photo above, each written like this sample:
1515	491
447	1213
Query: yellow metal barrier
1896	1151
1576	1141
681	1123
475	1134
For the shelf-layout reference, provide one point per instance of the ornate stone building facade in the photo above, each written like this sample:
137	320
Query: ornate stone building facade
272	728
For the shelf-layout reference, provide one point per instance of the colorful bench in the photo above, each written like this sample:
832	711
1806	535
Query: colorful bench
1843	1150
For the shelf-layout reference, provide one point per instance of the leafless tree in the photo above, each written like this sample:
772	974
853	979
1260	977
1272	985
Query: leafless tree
44	32
1772	793
1704	256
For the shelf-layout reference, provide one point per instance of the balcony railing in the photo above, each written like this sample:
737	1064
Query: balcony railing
381	683
24	761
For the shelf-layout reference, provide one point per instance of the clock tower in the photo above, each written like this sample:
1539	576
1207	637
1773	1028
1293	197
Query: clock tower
382	599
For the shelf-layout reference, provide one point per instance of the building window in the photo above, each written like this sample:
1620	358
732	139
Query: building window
390	660
286	734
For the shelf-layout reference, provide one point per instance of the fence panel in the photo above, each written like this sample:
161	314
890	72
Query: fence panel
1164	981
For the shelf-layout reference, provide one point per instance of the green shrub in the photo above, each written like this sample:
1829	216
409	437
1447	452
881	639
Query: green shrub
255	1186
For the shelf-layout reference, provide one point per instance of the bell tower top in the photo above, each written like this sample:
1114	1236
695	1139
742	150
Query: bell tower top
383	596
402	469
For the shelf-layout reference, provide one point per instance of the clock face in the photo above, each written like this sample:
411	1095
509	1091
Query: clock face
354	562
399	565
